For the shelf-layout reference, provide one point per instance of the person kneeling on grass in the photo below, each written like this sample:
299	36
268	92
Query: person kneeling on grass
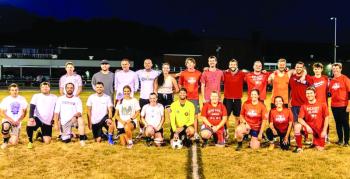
14	109
127	110
214	117
253	120
281	121
41	113
182	119
315	123
99	114
67	115
152	116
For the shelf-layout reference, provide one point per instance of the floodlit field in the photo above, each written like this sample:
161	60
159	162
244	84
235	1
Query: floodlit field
105	161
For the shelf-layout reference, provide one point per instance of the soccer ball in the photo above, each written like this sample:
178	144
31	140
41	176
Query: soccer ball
176	144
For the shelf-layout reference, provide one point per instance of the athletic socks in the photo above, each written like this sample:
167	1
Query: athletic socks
110	139
30	133
6	140
298	139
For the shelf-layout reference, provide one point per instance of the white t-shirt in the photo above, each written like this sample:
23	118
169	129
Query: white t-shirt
75	79
122	79
127	109
14	106
45	106
99	106
153	114
68	107
147	80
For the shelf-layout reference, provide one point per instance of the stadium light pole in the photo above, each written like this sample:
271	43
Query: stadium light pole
335	38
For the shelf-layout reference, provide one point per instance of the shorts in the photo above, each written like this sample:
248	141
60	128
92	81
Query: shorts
295	111
254	133
122	130
143	102
233	105
66	129
218	135
14	130
196	105
182	134
165	99
46	130
97	128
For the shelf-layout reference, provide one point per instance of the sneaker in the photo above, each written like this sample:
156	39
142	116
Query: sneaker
298	150
339	143
82	143
116	137
59	137
239	147
139	136
271	147
4	145
30	145
110	141
346	145
308	142
204	144
129	146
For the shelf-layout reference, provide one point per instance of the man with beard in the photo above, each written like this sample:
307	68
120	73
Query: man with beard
280	81
71	77
182	118
68	114
233	92
99	110
106	77
41	112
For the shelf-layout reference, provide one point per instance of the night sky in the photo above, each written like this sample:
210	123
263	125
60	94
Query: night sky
297	20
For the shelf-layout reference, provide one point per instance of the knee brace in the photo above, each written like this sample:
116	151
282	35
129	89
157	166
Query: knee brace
3	130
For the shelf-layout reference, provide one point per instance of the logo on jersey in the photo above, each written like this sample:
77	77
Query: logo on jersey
191	80
280	118
15	107
252	113
186	114
336	86
313	111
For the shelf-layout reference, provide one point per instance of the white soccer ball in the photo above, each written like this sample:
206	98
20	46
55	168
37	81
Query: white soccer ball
176	144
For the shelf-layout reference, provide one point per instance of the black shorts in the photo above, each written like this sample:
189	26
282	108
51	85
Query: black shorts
182	134
165	99
46	130
122	130
97	128
234	106
143	102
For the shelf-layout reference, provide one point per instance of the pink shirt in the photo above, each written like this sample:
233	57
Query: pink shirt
212	81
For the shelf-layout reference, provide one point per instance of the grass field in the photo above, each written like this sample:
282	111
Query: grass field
58	160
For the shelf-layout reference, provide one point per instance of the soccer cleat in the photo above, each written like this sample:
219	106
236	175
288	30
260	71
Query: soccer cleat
4	145
82	143
205	143
116	137
110	141
271	147
298	150
346	145
30	145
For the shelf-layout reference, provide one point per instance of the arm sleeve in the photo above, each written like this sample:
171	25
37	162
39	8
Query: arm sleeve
31	110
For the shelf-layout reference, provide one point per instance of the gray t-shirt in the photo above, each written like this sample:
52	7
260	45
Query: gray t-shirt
107	80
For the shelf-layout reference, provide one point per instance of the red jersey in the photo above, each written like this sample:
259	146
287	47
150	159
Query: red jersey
339	88
297	90
233	84
259	82
314	115
214	114
281	119
190	81
321	86
254	114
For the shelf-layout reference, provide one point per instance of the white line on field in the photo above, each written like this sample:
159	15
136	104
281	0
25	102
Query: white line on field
194	162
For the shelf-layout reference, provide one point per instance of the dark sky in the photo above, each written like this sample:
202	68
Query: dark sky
298	20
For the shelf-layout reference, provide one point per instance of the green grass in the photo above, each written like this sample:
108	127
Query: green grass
105	161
